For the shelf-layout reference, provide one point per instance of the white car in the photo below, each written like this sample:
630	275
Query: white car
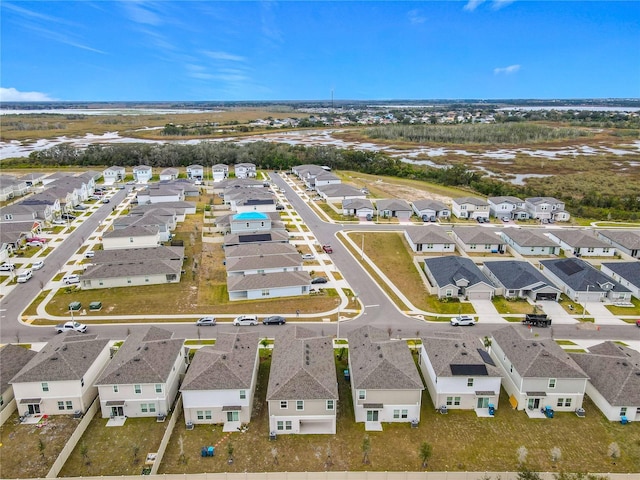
89	254
37	265
308	256
59	221
462	320
7	267
245	320
71	278
35	243
24	276
75	326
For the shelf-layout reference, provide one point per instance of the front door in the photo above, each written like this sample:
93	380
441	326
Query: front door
372	415
534	403
483	402
34	408
233	416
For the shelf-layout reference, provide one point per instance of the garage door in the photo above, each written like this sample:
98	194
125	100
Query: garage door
479	295
546	296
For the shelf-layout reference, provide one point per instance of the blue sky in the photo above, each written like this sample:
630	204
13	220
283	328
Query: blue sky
304	50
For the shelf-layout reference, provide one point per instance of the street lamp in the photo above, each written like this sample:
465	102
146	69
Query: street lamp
362	248
584	309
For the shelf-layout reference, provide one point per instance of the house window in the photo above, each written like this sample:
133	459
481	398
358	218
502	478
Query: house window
560	402
623	411
8	216
69	405
487	247
45	387
144	408
469	382
146	279
280	425
472	246
590	249
449	293
404	413
207	414
605	250
284	404
115	389
128	280
261	271
456	400
158	388
396	414
265	292
430	245
287	425
199	415
362	394
60	405
567	402
330	404
449	401
552	383
137	389
243	394
299	404
152	407
130	239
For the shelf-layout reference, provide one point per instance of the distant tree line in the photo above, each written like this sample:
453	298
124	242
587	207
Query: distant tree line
280	156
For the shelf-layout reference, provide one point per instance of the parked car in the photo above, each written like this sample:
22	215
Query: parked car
75	326
206	322
89	254
105	200
327	248
38	239
245	320
59	221
279	206
80	207
37	265
482	220
274	320
35	243
319	280
67	216
308	256
638	323
462	320
24	276
7	267
71	278
506	219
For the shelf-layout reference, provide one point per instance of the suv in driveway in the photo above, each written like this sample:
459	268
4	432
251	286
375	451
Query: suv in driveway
462	320
71	278
245	320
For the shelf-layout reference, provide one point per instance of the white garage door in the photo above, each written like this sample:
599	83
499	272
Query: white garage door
479	295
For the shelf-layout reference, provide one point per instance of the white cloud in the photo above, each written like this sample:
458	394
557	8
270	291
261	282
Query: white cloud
506	70
498	4
13	95
415	18
141	13
471	5
224	56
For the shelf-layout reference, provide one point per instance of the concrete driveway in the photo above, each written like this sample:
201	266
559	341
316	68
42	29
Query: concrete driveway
486	312
557	314
602	315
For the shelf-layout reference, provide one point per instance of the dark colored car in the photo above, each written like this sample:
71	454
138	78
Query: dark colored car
638	323
319	280
274	320
327	248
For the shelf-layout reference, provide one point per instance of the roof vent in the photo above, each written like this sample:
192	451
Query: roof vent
625	364
53	358
224	357
366	335
464	353
379	347
137	359
534	344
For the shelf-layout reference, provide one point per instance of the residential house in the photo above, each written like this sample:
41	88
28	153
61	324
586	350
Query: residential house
143	377
180	208
133	236
222	187
394	208
261	265
245	170
478	239
322	179
625	241
518	279
527	241
537	372
546	209
272	285
302	393
60	378
626	274
457	277
133	267
581	243
429	239
169	174
509	207
385	382
470	207
221	381
11	187
260	250
18	213
358	207
582	282
195	172
162	223
459	373
13	358
113	174
255	204
339	193
33	179
219	172
142	173
250	222
160	193
428	209
614	379
223	222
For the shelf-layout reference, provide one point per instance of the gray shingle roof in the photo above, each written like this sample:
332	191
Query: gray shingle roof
137	255
472	200
428	234
146	356
340	190
505	199
579	238
66	357
246	238
260	249
614	371
267	261
578	274
537	357
526	237
540	200
462	350
13	358
132	231
380	363
479	235
268	280
302	367
228	364
357	203
514	274
627	238
429	204
446	270
630	271
393	204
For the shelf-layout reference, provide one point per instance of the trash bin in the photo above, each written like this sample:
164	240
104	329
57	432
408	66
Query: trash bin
211	451
492	409
624	420
347	376
203	452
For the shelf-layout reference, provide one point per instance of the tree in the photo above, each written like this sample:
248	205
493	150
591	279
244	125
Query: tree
366	448
230	453
425	453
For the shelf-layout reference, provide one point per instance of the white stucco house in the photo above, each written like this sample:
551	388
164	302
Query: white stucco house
429	239
245	170
428	209
457	277
470	207
509	207
133	236
219	172
113	174
195	172
546	208
142	173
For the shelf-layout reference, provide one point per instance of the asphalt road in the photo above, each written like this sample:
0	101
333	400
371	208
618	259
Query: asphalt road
379	311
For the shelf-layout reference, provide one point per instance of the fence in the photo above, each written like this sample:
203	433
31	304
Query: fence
73	440
167	435
8	411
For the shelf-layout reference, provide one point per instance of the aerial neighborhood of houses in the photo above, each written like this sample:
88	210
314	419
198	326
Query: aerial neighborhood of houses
481	253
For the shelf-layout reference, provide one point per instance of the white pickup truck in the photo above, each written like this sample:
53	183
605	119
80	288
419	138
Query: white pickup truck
75	326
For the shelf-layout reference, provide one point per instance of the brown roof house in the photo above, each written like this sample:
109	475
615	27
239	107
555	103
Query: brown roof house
303	389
